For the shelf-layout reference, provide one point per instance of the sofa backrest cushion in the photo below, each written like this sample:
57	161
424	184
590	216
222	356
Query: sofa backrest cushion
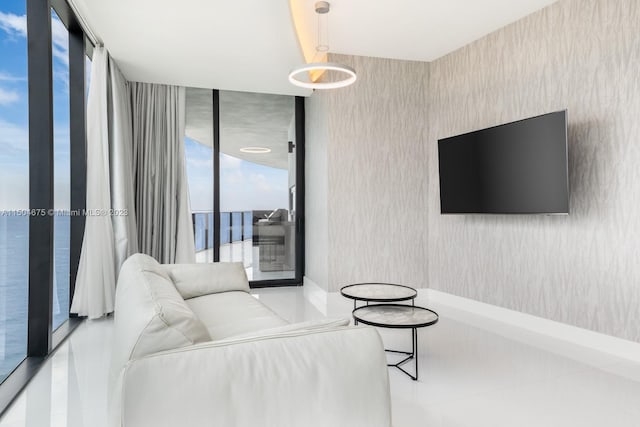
196	280
150	315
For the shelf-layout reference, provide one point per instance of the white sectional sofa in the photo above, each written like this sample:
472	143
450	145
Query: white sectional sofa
193	348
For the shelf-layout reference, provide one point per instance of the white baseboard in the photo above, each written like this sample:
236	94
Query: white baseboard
576	338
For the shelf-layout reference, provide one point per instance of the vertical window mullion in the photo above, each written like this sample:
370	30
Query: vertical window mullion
216	175
40	177
300	186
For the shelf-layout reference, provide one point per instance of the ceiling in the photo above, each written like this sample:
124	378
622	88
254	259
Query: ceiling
250	45
418	30
246	120
247	45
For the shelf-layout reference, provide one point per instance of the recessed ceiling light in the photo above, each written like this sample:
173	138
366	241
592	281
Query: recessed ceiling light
255	150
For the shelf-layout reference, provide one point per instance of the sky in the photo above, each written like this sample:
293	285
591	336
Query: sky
14	109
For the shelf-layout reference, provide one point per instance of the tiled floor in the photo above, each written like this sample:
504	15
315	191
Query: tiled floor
473	372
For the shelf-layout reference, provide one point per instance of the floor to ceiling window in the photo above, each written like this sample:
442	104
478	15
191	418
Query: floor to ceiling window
61	170
14	185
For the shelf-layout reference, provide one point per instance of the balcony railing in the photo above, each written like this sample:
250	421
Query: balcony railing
234	227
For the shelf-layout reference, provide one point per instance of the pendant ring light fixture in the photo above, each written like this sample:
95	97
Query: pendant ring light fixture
322	7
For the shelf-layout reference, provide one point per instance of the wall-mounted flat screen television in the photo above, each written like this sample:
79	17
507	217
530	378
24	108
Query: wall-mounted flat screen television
515	168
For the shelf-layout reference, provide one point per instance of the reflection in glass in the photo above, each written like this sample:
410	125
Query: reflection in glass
14	185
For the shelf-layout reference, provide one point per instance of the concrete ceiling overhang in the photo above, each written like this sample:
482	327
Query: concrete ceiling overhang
246	120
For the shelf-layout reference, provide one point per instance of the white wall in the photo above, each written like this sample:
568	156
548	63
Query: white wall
316	182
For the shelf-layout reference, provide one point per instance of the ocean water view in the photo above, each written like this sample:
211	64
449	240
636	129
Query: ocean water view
14	285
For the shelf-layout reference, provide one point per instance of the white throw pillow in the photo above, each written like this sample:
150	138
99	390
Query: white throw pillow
196	280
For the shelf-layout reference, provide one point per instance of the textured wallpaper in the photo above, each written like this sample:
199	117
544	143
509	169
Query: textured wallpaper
376	175
382	196
377	185
582	269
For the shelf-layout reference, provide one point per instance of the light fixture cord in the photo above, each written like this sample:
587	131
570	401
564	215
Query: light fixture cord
318	35
322	47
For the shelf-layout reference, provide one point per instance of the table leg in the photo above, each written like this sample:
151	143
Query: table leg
355	322
415	351
413	355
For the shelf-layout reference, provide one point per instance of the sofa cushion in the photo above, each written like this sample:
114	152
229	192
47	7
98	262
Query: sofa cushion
151	316
233	313
174	324
195	280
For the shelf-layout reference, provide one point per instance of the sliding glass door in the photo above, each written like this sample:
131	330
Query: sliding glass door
257	175
243	170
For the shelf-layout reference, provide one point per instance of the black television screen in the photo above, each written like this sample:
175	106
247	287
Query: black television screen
516	168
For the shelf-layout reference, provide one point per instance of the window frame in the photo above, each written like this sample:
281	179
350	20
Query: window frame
41	339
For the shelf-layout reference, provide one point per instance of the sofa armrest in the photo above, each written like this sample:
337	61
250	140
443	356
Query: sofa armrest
195	280
333	377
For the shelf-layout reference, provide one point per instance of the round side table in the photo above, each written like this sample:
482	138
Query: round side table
399	316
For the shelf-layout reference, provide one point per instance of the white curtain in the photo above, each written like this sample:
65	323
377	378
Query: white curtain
163	214
122	195
137	194
96	280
